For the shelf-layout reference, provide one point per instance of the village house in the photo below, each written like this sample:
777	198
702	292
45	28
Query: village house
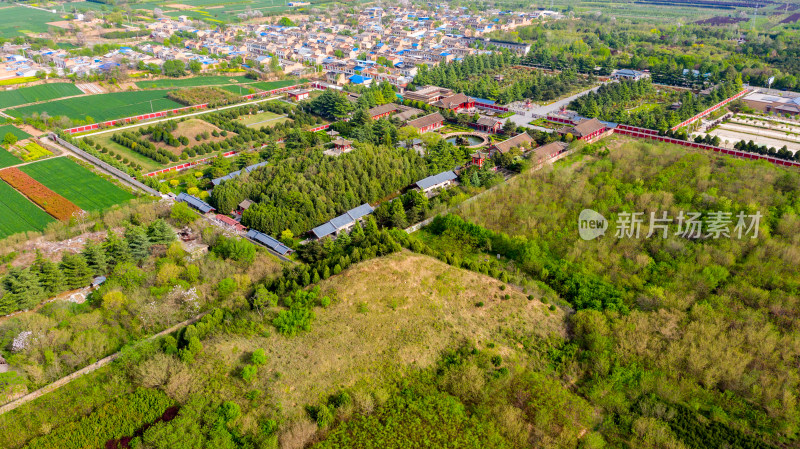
195	203
270	242
342	223
299	94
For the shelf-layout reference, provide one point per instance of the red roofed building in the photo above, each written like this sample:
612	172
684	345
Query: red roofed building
456	103
587	130
384	110
228	221
299	94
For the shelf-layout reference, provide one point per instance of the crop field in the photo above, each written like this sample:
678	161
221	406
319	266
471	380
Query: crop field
17	214
18	20
7	159
42	92
269	85
77	184
193	82
102	107
5	129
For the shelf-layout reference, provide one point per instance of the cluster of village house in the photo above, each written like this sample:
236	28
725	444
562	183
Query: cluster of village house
348	52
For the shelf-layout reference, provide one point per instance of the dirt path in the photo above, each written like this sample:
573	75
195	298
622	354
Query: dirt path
87	369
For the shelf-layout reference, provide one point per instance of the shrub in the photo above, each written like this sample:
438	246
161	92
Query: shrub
249	373
259	357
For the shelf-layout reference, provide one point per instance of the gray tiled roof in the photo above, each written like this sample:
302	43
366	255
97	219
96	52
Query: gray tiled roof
195	202
431	181
323	230
269	242
342	221
231	175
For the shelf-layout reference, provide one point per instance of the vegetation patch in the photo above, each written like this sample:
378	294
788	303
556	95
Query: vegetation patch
18	214
42	92
213	96
77	184
119	418
52	203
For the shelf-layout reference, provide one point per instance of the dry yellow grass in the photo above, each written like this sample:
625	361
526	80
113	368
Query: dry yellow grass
388	315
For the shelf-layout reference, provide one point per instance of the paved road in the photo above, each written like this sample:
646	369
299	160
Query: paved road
522	120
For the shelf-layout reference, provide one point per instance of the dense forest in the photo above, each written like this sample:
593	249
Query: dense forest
617	102
493	77
682	55
717	297
301	191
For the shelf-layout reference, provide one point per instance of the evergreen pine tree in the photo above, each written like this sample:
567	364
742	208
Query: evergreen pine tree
76	271
138	242
23	290
96	258
51	278
160	233
116	249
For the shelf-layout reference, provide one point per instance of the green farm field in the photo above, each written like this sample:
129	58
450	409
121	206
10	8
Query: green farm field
42	92
5	129
18	20
102	107
17	214
7	159
77	184
193	82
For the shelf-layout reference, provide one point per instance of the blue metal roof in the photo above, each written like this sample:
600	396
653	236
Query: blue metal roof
431	181
483	100
231	175
358	79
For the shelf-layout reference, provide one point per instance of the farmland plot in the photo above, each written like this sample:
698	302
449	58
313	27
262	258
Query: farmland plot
79	185
102	107
17	214
42	92
52	203
5	129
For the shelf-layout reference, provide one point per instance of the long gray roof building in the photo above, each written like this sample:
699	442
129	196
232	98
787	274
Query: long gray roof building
269	242
195	202
434	180
342	221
